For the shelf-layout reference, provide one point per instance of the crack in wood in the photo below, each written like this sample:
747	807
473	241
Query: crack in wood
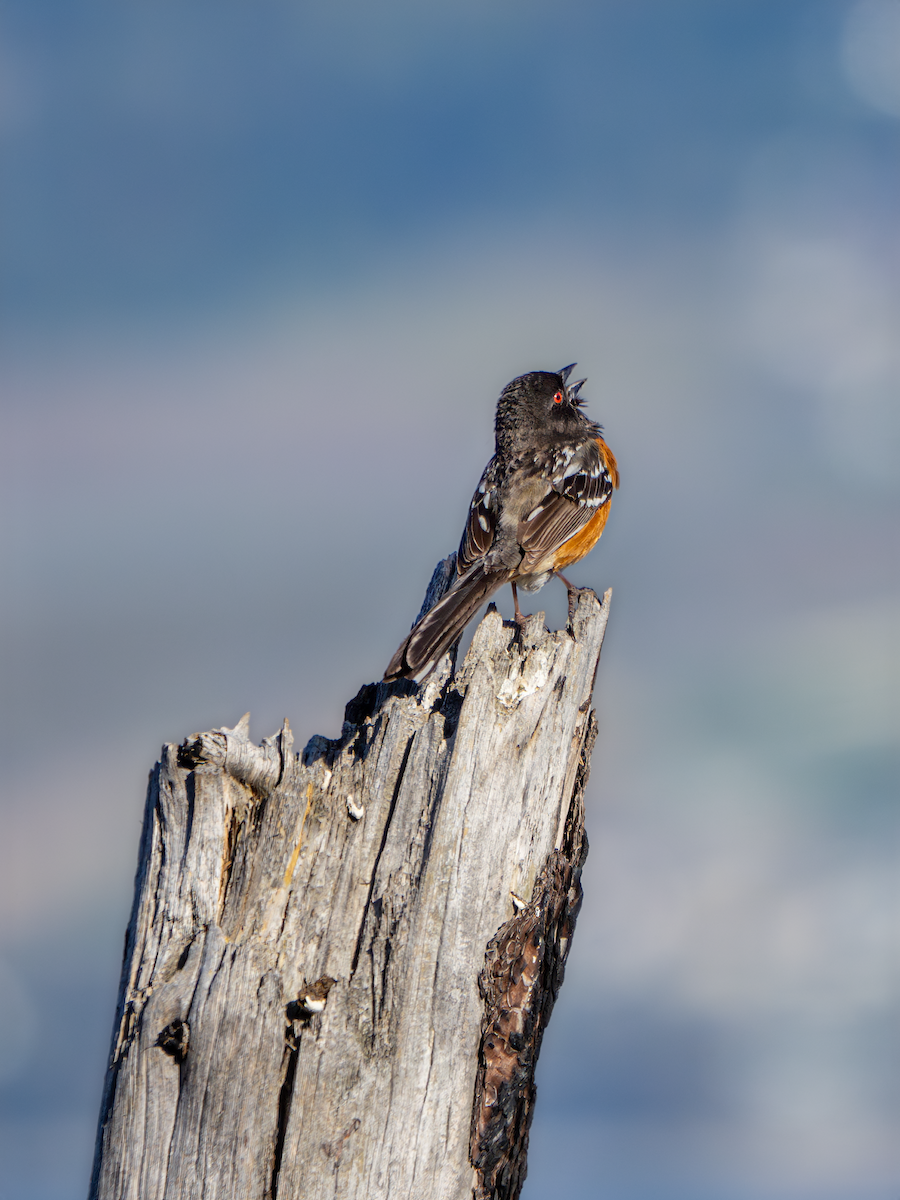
285	1100
233	824
384	837
190	789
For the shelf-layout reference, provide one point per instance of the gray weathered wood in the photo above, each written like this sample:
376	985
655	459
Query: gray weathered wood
389	860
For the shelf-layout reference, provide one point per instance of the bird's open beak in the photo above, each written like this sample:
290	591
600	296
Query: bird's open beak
566	372
574	389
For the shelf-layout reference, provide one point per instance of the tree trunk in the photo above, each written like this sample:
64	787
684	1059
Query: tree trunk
422	870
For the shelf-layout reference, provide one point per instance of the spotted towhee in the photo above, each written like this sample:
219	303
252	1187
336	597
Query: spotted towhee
541	505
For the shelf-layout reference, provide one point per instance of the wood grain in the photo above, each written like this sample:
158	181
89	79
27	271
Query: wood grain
387	859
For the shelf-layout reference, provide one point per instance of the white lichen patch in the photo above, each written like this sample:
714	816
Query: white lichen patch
532	676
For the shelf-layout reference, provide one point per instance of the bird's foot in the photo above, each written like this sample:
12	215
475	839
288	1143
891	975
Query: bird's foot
573	594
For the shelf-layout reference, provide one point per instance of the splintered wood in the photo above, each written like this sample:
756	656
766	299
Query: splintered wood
339	966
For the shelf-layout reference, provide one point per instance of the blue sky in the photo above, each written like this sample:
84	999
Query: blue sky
263	272
164	156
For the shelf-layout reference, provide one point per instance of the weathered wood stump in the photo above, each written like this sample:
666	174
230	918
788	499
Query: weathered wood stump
423	870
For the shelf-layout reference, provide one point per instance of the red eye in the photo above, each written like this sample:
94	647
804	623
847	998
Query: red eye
558	398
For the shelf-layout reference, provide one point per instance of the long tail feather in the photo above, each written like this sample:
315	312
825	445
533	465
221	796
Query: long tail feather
442	625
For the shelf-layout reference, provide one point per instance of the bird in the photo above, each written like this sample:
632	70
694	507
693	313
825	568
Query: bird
541	505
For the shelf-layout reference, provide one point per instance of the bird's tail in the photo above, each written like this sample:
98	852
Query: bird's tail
442	624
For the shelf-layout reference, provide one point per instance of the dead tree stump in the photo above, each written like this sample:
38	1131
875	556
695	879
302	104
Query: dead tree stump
423	870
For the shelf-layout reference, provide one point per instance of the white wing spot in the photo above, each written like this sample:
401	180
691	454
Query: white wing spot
482	521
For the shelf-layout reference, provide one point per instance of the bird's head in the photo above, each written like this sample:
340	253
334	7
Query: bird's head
541	401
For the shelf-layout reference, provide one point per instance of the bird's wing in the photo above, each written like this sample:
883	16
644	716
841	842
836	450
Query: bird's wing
578	484
481	523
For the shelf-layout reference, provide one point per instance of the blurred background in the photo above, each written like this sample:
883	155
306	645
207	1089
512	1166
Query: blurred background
265	269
